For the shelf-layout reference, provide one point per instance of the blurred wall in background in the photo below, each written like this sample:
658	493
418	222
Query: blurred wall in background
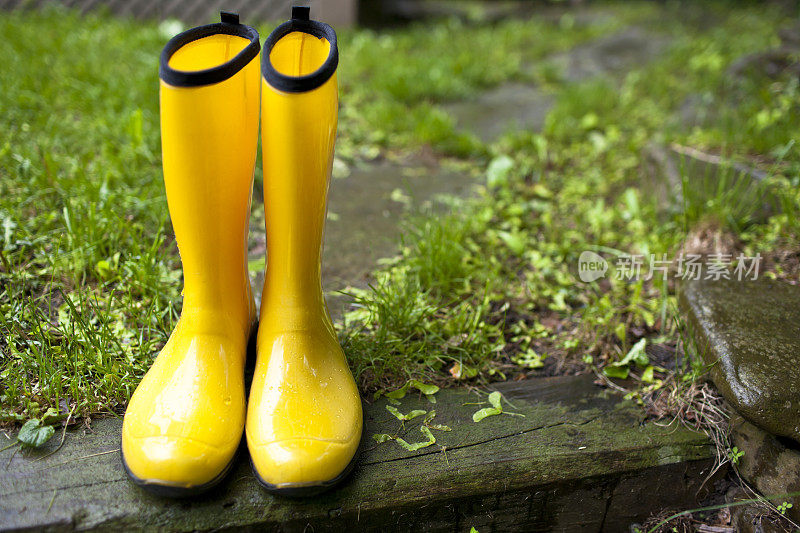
334	12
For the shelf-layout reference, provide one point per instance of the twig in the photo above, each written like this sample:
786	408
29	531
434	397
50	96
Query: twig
720	506
12	457
51	501
78	459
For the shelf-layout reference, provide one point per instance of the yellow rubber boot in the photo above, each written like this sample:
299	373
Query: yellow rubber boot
304	417
184	423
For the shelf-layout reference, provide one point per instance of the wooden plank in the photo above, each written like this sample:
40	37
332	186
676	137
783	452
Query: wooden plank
580	459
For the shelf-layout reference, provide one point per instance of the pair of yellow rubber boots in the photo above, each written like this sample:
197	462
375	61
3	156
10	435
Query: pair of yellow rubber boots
303	419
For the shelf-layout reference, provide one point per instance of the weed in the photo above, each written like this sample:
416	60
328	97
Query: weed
90	275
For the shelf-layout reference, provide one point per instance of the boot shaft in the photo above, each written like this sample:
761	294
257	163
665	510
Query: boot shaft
299	110
209	135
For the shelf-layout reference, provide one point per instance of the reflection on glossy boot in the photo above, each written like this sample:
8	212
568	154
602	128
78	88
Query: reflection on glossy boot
185	421
304	417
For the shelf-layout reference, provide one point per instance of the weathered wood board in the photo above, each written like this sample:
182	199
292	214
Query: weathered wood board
581	459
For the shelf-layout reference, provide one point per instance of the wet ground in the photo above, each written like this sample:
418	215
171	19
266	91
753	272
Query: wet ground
365	211
515	106
367	202
365	208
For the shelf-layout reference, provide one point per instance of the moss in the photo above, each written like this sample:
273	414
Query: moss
751	349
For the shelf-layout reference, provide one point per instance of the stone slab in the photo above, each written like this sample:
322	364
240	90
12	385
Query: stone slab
611	55
770	464
581	459
508	107
748	333
518	106
365	210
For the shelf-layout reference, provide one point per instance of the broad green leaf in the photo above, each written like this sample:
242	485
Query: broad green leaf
620	331
33	434
647	375
382	437
52	416
396	395
418	445
424	388
637	354
483	413
616	371
515	241
399	393
104	269
495	399
400	416
541	191
589	121
397	414
427	422
498	170
412	447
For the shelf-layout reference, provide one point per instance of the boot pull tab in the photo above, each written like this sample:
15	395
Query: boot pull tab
301	13
229	18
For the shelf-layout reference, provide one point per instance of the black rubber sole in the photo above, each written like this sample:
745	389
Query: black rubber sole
304	490
171	491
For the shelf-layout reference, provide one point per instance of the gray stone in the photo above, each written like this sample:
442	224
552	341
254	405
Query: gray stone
748	333
513	106
611	55
365	207
770	464
745	518
365	213
517	106
772	63
581	459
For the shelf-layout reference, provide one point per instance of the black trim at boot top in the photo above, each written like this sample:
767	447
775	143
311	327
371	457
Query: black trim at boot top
194	78
300	84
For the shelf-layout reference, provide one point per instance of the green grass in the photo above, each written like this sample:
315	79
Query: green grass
510	263
90	275
89	282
